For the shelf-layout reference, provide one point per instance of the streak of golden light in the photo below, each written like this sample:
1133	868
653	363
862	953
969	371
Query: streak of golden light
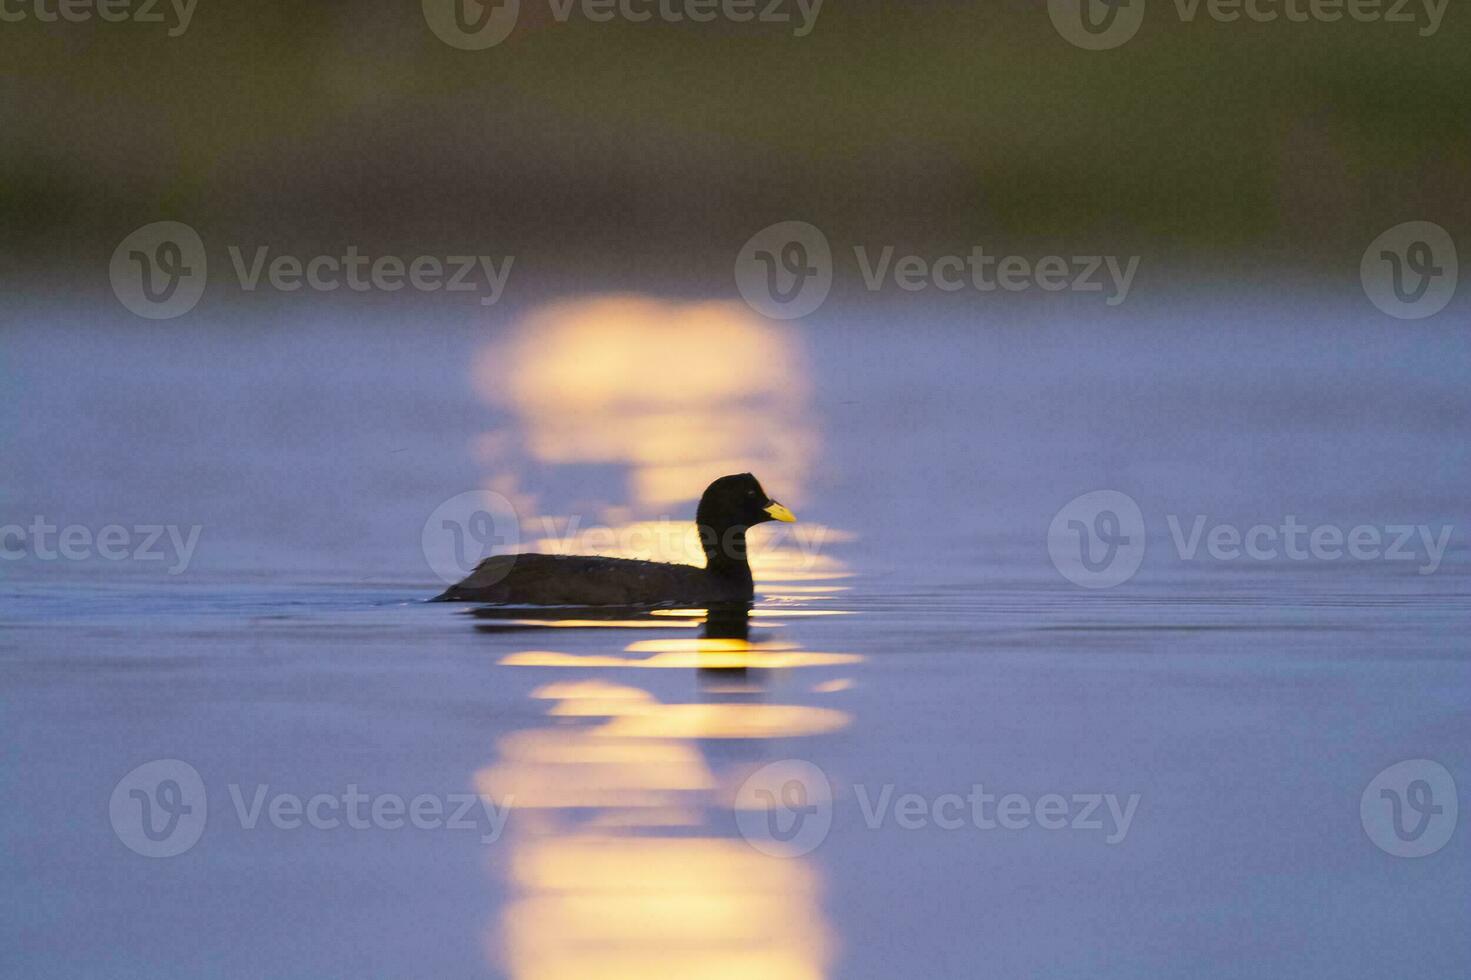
758	721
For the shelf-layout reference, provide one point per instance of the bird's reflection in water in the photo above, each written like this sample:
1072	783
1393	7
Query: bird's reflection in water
717	675
625	860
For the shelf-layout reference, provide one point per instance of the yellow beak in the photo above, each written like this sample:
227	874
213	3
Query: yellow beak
779	513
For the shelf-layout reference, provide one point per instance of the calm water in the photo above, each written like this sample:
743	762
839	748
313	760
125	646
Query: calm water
1224	715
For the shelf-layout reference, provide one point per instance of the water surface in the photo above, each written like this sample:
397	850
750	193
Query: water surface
917	639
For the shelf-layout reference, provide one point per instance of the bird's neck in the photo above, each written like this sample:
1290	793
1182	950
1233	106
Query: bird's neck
725	552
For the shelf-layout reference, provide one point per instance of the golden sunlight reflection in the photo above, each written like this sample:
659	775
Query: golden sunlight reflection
624	857
639	907
615	412
692	721
679	393
670	394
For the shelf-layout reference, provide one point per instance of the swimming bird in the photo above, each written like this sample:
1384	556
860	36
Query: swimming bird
729	506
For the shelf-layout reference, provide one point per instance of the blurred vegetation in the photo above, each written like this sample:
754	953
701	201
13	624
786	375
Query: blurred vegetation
612	146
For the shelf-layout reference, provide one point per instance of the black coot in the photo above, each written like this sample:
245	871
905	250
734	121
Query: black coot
729	506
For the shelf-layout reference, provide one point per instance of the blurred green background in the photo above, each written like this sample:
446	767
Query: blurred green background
638	152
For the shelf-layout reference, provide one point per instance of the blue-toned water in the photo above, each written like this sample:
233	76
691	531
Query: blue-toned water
1221	719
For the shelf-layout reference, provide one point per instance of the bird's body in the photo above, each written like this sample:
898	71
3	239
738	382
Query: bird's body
729	506
578	580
